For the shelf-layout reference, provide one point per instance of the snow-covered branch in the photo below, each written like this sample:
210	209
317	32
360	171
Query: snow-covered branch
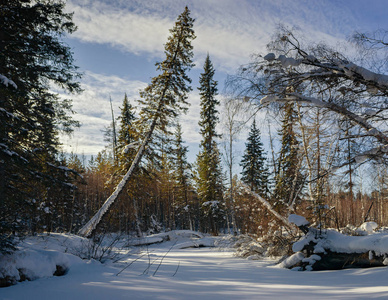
6	81
267	205
371	130
373	81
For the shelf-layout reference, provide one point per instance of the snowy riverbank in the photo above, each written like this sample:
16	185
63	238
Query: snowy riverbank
190	273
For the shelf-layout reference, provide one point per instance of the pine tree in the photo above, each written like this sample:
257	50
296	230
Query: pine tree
32	59
255	172
288	179
163	99
210	186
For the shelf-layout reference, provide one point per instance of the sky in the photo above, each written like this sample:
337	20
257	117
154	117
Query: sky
118	43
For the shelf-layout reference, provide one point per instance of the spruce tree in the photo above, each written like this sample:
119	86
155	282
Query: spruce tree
127	135
255	172
210	186
288	179
163	99
33	59
126	151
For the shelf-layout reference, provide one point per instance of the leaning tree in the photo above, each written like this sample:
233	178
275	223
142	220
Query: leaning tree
351	91
162	100
322	77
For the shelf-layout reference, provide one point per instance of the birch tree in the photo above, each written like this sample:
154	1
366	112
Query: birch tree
322	77
234	117
315	75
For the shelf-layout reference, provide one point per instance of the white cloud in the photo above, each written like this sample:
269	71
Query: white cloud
229	30
102	23
144	30
189	121
92	109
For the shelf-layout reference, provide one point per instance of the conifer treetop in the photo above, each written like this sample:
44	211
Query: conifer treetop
166	95
209	113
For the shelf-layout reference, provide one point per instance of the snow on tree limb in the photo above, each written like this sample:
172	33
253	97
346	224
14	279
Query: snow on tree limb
6	81
381	137
336	67
129	147
267	205
353	70
320	76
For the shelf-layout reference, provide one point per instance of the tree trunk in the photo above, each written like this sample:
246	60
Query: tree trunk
268	206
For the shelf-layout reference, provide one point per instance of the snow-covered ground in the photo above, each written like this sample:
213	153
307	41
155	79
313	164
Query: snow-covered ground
189	273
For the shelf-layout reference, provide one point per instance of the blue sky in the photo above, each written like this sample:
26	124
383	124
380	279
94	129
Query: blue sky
118	42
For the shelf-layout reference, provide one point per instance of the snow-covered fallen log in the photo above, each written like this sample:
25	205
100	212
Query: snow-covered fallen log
331	250
197	243
165	236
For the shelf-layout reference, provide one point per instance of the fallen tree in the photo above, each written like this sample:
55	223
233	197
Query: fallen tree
328	249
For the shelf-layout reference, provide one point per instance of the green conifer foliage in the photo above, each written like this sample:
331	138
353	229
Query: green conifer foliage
209	179
165	97
288	179
209	113
127	135
255	172
163	100
33	56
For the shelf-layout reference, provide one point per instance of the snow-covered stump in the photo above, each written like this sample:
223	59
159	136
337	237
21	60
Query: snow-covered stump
330	250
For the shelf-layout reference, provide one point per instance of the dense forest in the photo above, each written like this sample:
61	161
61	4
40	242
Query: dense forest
325	116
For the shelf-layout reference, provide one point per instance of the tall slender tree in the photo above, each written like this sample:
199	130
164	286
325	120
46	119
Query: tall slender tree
288	180
163	99
33	58
127	135
210	186
255	172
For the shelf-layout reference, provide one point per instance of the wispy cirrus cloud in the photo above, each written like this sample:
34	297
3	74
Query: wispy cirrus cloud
99	22
142	27
229	30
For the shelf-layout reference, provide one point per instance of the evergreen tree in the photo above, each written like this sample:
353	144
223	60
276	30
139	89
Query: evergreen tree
32	58
126	135
210	186
209	113
166	96
162	100
255	172
288	179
